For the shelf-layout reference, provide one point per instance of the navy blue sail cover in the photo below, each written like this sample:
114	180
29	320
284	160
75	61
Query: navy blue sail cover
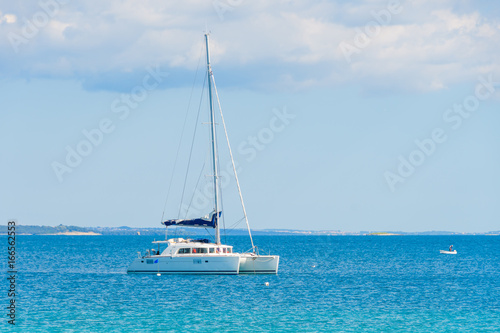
209	221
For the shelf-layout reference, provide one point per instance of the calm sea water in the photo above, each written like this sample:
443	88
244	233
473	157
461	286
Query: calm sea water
325	284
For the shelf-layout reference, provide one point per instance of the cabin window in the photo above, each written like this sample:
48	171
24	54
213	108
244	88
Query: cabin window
202	250
212	250
229	250
184	250
224	250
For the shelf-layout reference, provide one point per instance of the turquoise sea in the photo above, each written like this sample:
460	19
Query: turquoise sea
325	284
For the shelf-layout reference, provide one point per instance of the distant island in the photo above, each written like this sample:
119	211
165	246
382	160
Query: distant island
48	230
124	231
383	233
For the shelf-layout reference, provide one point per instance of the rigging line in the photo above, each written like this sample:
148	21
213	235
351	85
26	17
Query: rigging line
182	134
232	162
223	218
194	192
191	150
219	188
235	224
197	184
208	232
222	208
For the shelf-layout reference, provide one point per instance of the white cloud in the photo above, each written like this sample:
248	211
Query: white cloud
427	46
7	18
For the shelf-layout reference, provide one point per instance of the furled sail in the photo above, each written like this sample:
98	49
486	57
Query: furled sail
209	221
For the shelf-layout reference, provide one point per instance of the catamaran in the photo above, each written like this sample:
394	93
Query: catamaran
201	256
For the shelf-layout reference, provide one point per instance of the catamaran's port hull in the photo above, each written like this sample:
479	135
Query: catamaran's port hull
257	264
221	265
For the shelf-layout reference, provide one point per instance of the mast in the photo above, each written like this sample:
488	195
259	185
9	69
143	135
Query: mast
214	145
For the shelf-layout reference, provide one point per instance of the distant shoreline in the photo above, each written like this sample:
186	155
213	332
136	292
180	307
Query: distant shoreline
75	233
70	233
383	234
63	230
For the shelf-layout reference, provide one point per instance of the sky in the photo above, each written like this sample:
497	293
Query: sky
355	116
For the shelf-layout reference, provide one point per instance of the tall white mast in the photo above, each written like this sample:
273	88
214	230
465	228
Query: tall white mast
214	146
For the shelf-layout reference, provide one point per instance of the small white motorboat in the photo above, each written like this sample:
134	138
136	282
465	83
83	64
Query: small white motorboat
448	252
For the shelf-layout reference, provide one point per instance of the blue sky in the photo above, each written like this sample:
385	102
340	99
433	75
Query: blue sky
373	115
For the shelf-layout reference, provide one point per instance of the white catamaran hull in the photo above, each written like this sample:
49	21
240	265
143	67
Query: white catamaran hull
257	264
226	265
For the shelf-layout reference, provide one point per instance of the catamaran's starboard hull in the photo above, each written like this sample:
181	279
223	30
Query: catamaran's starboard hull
222	265
257	264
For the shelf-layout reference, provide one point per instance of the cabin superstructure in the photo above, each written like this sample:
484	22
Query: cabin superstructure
187	256
183	247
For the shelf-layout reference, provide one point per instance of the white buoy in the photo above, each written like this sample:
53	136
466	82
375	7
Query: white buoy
313	266
158	274
267	284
